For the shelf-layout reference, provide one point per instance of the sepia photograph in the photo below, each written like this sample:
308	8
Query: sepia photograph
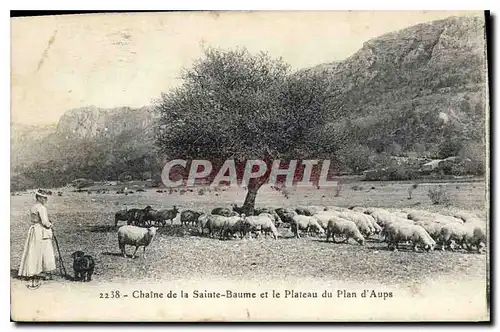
250	166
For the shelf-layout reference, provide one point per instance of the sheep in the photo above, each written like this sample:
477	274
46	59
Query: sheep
381	217
202	222
306	223
135	236
286	215
361	223
166	214
121	215
410	233
189	216
347	228
478	238
303	211
144	216
232	225
466	235
371	221
324	217
215	223
434	230
262	223
276	217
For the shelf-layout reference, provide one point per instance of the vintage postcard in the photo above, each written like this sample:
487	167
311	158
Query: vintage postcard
320	166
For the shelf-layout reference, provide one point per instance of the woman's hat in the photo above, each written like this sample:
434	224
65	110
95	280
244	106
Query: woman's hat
42	193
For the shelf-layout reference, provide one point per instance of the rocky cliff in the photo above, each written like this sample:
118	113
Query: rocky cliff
93	122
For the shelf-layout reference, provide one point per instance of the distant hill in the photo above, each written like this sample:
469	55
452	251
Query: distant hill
420	89
413	88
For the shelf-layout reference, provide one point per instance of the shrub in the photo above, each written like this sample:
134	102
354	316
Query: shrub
439	195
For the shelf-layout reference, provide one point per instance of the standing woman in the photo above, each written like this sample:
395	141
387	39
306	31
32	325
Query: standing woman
38	255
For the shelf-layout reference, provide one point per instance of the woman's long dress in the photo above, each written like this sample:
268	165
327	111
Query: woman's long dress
38	255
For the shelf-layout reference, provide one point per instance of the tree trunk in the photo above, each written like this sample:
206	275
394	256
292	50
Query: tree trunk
249	204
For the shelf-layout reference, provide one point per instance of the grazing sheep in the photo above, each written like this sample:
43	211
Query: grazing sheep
144	217
83	266
344	227
361	223
215	223
276	217
189	216
410	233
135	236
303	211
202	222
234	225
286	215
371	221
162	216
456	233
434	230
307	224
478	238
262	223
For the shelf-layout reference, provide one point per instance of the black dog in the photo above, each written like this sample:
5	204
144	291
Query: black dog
83	265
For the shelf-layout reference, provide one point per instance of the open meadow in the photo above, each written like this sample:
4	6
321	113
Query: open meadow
85	222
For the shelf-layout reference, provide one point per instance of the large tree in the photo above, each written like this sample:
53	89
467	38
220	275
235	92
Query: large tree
237	105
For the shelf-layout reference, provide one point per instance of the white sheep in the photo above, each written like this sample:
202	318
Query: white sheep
458	233
306	223
360	221
323	217
410	233
135	236
347	228
374	225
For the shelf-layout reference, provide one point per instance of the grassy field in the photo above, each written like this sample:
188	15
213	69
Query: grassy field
86	222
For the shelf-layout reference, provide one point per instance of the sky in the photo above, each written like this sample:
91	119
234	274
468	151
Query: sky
110	60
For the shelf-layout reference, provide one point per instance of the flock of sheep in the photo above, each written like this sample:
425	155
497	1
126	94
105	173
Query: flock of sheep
421	229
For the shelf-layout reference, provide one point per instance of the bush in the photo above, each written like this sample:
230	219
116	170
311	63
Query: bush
439	195
357	187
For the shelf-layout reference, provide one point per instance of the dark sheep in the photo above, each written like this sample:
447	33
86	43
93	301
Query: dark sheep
145	216
162	215
189	216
